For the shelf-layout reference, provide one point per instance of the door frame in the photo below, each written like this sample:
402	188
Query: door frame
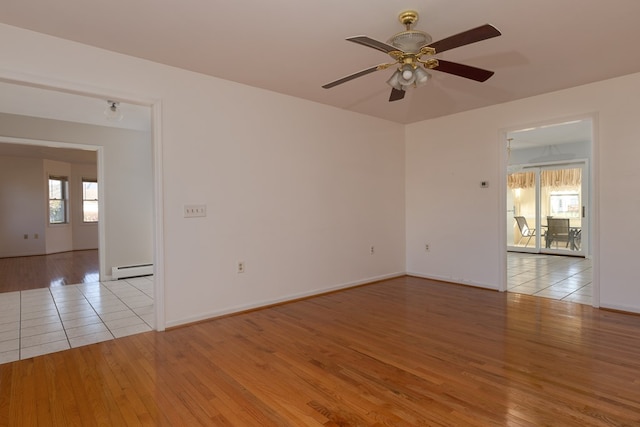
155	104
594	196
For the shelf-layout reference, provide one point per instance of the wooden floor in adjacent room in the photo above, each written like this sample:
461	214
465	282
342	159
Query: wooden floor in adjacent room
401	352
45	271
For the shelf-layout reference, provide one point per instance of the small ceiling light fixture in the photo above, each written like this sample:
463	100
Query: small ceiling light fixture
113	113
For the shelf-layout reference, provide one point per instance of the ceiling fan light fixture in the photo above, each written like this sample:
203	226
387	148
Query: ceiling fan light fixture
394	80
421	76
412	52
407	75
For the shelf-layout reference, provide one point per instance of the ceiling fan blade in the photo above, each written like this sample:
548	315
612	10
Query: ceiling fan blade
351	77
480	33
375	44
396	95
467	71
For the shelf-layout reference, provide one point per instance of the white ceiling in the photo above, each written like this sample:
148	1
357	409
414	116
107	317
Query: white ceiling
294	47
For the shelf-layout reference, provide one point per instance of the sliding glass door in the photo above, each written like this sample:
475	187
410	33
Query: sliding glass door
563	203
546	208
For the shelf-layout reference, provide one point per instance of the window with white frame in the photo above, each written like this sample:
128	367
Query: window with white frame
89	200
58	194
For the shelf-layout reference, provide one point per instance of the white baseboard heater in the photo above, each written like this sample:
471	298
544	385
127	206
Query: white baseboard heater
125	271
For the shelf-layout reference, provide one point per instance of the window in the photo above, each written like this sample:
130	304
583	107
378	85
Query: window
565	205
89	200
58	186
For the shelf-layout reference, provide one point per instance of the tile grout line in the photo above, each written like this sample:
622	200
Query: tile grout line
130	308
96	311
119	299
60	317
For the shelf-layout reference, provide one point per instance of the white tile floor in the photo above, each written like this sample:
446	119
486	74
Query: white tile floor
558	277
47	320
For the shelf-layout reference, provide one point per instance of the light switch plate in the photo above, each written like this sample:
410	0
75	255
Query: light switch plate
194	211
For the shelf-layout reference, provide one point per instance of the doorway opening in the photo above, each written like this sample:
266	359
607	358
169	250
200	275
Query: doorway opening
49	230
82	299
548	211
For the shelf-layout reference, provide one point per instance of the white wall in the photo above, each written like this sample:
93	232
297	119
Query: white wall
446	158
128	185
22	207
297	190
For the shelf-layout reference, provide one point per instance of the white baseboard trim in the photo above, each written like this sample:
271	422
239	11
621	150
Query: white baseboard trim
617	307
281	300
20	254
38	253
129	271
493	286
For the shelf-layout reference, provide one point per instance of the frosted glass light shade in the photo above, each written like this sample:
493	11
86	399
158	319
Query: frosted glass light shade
394	80
113	112
407	70
421	76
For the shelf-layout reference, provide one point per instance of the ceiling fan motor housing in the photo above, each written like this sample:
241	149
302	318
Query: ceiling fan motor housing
410	41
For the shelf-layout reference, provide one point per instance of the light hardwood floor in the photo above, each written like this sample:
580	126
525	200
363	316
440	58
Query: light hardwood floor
401	352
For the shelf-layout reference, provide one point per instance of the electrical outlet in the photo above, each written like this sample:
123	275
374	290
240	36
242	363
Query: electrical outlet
26	236
240	267
36	236
194	211
426	247
372	250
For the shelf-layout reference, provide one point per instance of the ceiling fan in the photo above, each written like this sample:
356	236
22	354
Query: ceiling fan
413	52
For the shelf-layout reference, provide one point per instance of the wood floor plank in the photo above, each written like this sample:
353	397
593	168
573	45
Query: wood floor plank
401	352
44	271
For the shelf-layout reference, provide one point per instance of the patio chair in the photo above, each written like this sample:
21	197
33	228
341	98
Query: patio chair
558	230
525	231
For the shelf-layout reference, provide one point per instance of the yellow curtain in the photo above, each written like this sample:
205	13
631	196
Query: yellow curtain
549	178
521	180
